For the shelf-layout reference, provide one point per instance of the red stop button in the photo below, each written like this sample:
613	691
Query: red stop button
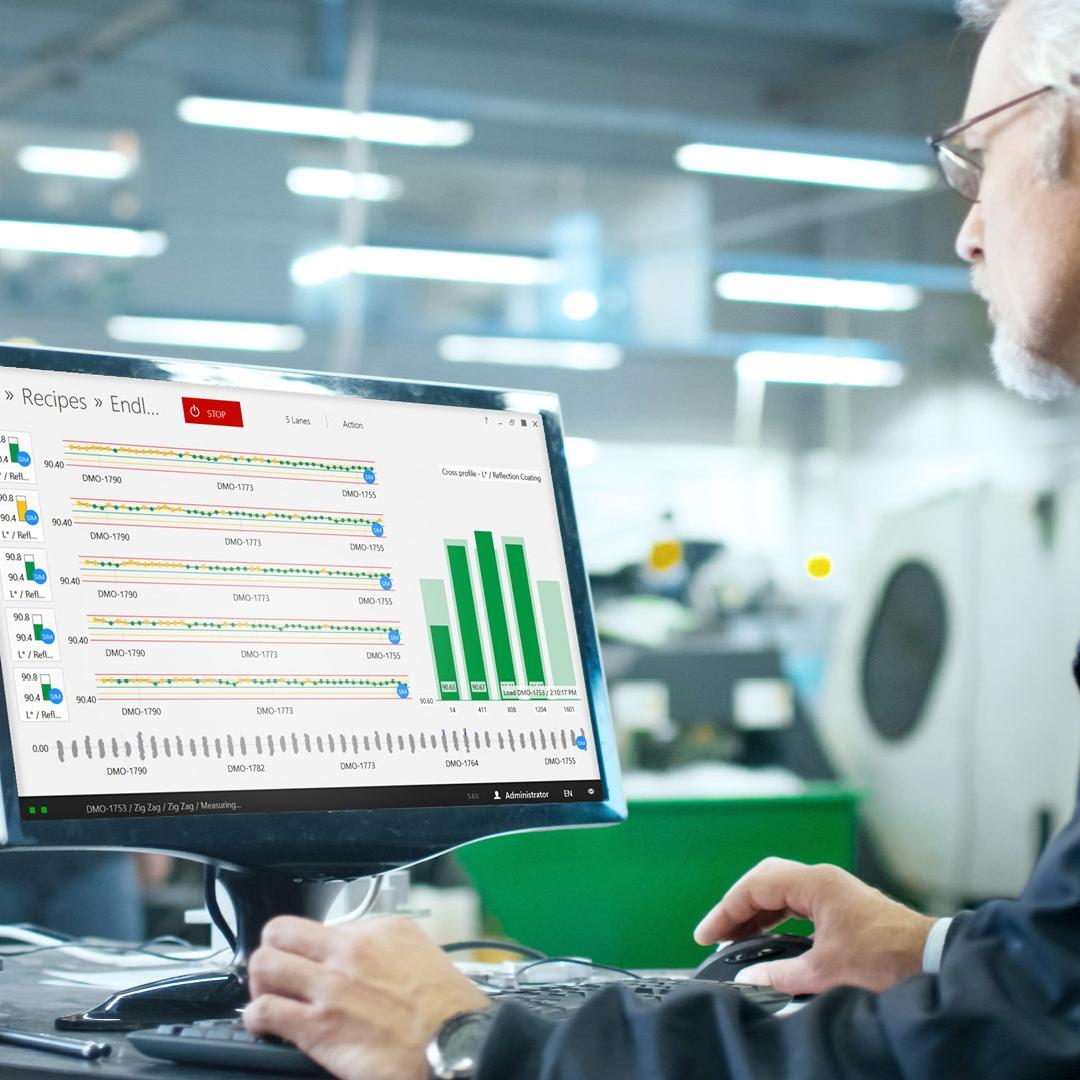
211	411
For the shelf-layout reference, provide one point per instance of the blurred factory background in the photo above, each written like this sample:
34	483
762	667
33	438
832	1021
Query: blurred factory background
713	227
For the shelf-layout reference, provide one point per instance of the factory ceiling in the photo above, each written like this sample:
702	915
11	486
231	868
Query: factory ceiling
577	109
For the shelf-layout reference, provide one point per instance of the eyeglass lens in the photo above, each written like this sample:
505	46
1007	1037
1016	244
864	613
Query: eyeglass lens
960	174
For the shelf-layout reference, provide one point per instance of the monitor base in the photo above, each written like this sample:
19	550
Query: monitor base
210	995
204	995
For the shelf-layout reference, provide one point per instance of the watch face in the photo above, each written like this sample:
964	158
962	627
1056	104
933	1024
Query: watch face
456	1048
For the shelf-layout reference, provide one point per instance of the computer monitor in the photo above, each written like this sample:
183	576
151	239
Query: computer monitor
301	626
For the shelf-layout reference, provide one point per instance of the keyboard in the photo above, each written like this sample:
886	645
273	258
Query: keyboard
226	1044
557	1000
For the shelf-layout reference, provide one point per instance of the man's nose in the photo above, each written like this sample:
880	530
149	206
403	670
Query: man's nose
969	240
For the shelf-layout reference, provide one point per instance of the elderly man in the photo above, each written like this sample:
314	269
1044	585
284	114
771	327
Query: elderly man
993	993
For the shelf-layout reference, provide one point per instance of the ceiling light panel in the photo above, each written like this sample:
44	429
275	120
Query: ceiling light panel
531	352
818	368
319	267
74	161
315	121
817	291
206	333
805	168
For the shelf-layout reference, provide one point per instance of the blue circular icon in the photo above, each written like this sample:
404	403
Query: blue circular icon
385	582
377	528
56	696
402	690
40	577
369	476
31	517
581	742
48	636
23	458
395	637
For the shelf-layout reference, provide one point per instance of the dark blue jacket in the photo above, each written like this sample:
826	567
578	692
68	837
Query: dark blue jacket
1005	1006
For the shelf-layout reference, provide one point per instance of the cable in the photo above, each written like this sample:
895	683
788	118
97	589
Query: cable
363	907
214	908
142	955
573	960
501	946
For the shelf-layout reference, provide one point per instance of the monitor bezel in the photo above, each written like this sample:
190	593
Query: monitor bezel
341	843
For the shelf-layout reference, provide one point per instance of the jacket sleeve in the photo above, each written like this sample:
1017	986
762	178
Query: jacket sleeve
1006	1004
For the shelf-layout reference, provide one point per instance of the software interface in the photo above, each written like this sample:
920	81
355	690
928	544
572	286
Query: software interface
222	600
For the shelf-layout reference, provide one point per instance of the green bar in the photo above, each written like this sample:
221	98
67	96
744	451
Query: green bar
445	668
468	624
46	687
496	610
31	566
437	612
38	627
558	640
13	449
523	606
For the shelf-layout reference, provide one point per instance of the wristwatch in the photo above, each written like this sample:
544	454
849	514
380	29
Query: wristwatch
454	1049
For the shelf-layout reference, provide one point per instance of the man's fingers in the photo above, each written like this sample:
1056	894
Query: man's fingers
272	971
304	937
272	1015
772	891
705	934
797	976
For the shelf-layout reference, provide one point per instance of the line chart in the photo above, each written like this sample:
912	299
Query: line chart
178	459
181	628
186	686
160	571
208	515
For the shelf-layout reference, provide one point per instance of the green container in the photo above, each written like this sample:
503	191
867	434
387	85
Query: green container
632	894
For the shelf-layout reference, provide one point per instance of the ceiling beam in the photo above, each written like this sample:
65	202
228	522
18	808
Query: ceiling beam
57	63
774	18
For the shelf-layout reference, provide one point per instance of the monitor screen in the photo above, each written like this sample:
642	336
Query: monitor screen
249	597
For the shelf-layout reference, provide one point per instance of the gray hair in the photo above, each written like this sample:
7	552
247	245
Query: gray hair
1050	59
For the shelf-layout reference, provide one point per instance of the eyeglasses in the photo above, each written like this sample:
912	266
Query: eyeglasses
961	166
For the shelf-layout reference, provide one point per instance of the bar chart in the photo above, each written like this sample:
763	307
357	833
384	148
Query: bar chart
20	520
41	699
25	575
496	632
16	457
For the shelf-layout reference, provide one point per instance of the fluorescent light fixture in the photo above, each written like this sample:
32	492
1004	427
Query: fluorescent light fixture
817	291
580	305
72	161
819	368
342	184
531	352
335	262
804	168
207	333
324	123
81	239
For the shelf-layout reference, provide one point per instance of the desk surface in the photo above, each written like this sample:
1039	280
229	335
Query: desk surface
26	1005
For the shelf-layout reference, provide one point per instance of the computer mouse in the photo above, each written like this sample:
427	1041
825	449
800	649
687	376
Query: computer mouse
730	959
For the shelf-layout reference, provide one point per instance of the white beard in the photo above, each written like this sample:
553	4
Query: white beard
1019	369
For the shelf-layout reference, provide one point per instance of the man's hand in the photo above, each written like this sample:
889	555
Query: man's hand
861	937
362	1000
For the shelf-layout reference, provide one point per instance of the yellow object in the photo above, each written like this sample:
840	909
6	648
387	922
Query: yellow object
20	506
665	554
819	566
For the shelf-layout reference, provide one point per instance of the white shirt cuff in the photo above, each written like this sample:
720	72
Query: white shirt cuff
935	946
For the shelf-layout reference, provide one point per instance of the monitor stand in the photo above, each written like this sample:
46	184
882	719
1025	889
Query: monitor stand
207	995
